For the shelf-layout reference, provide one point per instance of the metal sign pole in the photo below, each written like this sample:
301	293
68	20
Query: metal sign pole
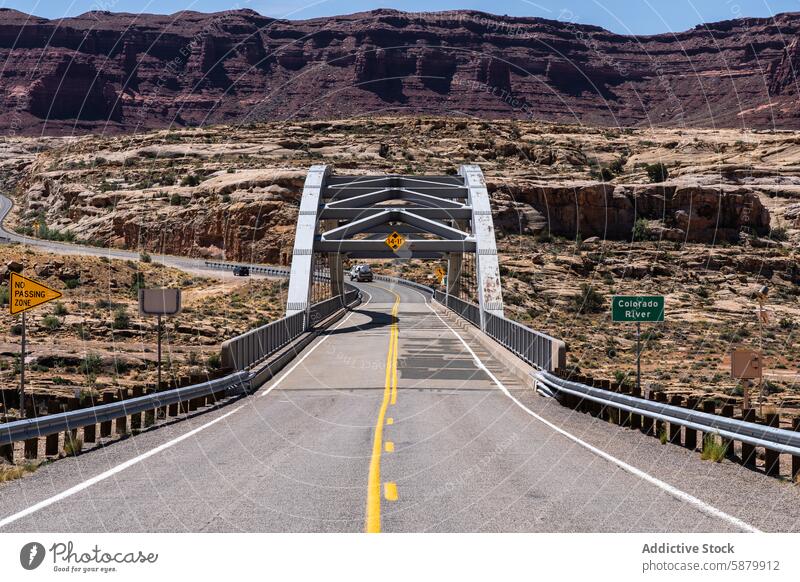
638	358
22	370
158	384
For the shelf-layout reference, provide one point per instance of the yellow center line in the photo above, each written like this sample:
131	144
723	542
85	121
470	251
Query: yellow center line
373	524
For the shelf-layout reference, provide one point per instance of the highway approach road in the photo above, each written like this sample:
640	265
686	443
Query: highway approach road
394	420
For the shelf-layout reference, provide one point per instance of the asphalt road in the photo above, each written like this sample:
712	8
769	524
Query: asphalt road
336	444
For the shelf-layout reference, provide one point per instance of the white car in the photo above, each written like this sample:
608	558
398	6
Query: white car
361	273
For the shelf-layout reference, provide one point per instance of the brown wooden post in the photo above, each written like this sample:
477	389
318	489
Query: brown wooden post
7	452
51	440
749	451
105	426
727	411
772	459
690	434
660	424
122	422
90	433
636	419
796	458
136	419
32	448
674	428
648	424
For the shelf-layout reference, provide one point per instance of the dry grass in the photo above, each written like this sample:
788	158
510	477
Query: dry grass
11	472
713	449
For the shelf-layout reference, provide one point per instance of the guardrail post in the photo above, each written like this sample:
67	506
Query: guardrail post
795	458
51	440
748	450
660	424
122	421
690	434
31	451
136	419
7	452
727	411
648	423
90	433
106	425
772	459
675	428
636	419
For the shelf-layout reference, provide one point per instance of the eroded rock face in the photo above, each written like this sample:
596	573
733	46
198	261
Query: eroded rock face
687	212
144	71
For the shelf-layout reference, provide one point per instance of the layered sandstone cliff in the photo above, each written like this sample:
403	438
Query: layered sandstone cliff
122	72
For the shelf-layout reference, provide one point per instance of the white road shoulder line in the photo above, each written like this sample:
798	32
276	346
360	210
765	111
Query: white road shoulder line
666	487
129	463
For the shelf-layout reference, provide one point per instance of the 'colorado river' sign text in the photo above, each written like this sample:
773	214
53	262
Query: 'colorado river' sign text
637	308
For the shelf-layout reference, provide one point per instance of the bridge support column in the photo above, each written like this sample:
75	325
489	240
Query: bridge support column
454	262
487	268
336	265
300	280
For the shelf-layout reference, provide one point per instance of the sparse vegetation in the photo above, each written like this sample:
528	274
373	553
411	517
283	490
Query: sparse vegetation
713	449
657	172
588	300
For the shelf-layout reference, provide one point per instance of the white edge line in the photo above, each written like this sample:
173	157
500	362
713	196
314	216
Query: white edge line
130	462
666	487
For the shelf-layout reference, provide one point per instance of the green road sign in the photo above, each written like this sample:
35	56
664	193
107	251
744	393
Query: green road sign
637	308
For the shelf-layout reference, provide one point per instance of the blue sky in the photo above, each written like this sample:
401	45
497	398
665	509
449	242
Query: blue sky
623	16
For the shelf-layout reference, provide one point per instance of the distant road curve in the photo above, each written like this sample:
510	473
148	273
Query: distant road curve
195	266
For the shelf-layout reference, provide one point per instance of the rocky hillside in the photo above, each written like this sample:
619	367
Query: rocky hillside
233	193
104	72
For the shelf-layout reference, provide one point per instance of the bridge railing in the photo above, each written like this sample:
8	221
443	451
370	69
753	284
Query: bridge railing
535	348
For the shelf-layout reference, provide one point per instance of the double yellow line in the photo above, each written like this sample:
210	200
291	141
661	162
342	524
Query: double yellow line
373	524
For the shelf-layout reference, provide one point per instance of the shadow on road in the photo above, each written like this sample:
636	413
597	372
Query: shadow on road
377	319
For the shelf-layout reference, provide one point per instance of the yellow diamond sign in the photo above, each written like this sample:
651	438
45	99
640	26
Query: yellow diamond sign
440	273
26	293
395	240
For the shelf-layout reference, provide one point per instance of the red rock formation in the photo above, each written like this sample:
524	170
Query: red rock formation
118	72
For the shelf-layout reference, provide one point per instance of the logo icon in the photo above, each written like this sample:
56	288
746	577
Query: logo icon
31	555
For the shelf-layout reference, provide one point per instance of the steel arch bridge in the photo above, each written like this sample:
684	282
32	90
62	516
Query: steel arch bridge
440	217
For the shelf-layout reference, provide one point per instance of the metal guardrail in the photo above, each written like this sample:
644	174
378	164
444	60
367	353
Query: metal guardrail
20	430
535	348
241	352
406	282
759	435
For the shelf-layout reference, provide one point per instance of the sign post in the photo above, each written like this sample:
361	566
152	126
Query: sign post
26	294
159	301
637	308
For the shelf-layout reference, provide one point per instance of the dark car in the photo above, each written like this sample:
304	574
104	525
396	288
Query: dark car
241	271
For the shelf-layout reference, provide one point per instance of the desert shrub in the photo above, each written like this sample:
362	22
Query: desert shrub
72	283
214	361
175	200
121	318
657	172
190	180
713	450
588	300
779	233
144	257
73	446
51	322
91	364
641	230
59	308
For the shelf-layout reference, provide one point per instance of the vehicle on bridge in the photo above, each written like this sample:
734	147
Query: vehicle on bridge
361	273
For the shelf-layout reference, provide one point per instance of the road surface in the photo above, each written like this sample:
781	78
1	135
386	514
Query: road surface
336	444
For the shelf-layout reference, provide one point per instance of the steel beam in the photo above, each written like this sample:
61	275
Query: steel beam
302	255
464	213
378	246
487	268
